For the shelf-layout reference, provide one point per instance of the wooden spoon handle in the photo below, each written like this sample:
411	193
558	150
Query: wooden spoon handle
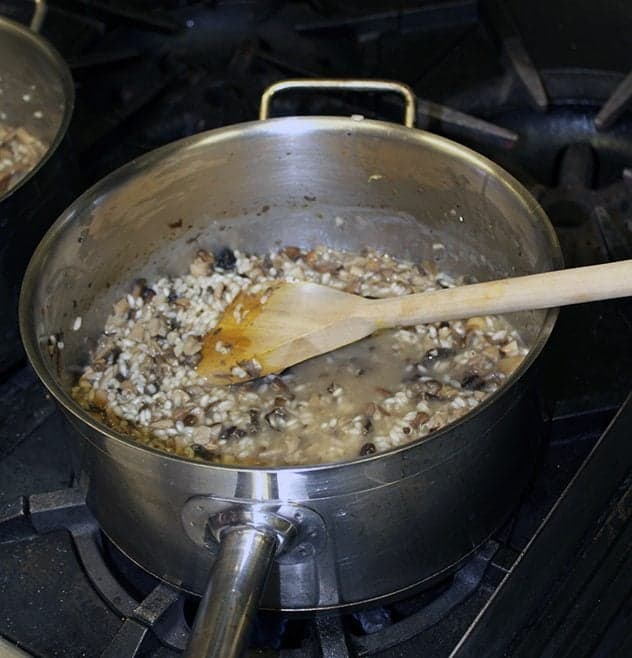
536	291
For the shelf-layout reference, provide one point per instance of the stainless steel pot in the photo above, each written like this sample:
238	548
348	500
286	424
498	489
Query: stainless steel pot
38	94
330	536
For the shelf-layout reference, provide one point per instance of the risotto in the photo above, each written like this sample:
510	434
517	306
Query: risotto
19	153
383	392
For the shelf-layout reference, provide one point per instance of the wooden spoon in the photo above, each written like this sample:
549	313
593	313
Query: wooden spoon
292	322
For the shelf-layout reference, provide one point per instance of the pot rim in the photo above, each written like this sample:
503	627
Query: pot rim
297	124
68	88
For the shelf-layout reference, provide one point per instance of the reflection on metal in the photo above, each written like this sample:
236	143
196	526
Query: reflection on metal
503	29
619	101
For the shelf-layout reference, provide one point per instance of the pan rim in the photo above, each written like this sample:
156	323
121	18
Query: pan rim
274	126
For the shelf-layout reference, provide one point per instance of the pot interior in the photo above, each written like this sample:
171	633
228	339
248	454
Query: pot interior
259	186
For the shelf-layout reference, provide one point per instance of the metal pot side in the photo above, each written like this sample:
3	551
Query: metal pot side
38	94
374	527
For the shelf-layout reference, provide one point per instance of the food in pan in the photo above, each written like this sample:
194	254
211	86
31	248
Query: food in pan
20	151
390	389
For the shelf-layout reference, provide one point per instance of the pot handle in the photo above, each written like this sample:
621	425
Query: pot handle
228	607
388	86
246	539
39	14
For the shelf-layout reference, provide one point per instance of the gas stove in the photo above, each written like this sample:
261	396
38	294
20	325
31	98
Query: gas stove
530	86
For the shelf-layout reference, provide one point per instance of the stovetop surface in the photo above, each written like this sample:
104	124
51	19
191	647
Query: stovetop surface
521	82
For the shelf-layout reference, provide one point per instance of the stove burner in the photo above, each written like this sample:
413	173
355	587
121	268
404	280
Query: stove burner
155	613
575	97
